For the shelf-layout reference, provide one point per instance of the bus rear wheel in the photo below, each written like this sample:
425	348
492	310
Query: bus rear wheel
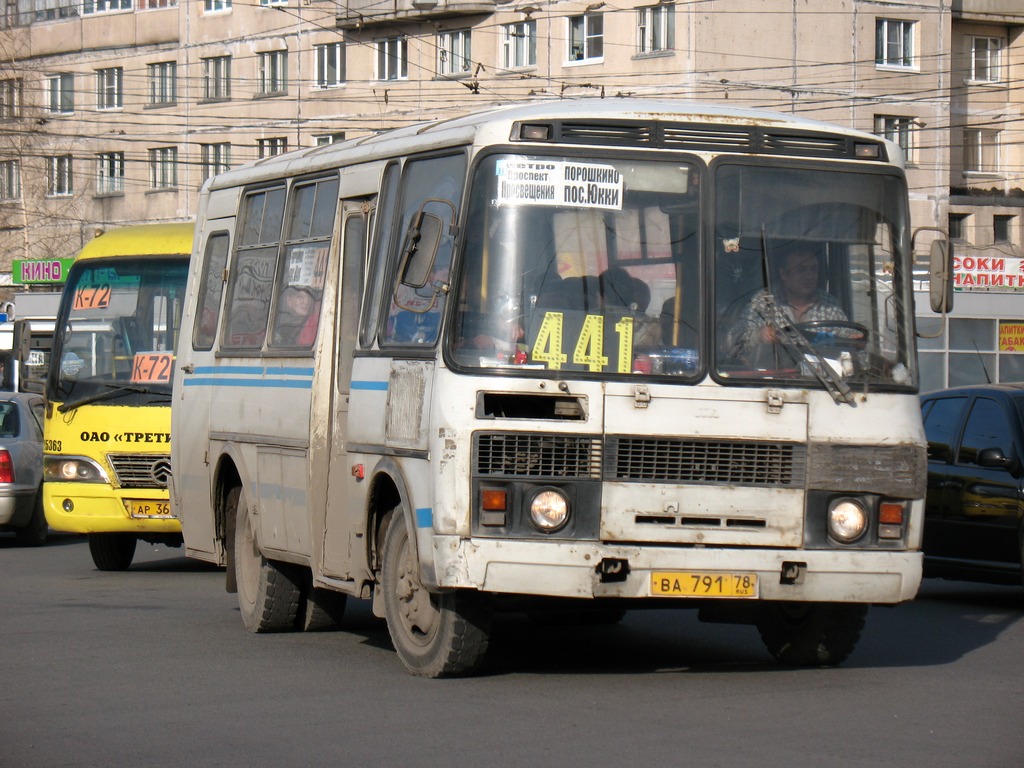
435	635
268	592
811	634
112	551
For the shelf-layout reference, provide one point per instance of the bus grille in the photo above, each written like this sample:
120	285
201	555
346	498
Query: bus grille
147	470
706	462
751	463
551	456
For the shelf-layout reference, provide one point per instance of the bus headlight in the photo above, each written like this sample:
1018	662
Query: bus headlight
72	469
847	520
549	511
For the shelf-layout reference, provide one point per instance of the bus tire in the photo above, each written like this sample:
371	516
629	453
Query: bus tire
268	592
112	551
811	634
435	635
320	610
34	534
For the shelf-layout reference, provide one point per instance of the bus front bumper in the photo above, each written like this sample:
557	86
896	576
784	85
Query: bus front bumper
92	508
593	570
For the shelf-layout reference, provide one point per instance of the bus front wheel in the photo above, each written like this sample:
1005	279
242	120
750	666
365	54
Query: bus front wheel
811	634
435	635
268	592
112	551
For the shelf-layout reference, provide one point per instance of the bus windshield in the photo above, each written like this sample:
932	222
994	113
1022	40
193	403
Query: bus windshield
595	265
117	337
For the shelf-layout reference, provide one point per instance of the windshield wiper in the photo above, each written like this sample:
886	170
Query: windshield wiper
796	342
115	390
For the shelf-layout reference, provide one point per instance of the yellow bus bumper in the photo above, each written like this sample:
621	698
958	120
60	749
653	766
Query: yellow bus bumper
94	508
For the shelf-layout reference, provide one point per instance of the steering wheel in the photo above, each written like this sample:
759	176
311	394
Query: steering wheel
811	327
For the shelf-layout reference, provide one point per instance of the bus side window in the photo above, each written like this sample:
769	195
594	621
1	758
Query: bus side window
255	265
385	227
211	290
433	185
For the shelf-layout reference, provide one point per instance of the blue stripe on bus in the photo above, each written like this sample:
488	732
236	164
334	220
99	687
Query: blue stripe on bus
425	517
378	386
261	376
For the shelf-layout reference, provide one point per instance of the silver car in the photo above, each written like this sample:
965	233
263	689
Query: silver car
21	467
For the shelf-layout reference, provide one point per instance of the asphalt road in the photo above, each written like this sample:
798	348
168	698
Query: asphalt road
152	667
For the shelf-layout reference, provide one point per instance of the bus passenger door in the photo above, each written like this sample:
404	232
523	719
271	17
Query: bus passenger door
345	494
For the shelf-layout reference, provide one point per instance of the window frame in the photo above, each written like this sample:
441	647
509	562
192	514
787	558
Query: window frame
519	44
163	168
214	158
109	89
454	53
10	179
655	29
391	58
272	73
93	7
162	79
585	30
60	93
216	6
325	57
60	176
899	129
993	70
271	146
11	93
906	56
110	176
216	78
975	142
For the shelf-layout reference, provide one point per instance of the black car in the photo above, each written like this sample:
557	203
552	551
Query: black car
975	501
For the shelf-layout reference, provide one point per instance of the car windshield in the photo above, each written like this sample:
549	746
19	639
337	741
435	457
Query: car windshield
596	265
117	331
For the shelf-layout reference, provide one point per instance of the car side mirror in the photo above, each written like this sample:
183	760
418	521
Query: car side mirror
994	458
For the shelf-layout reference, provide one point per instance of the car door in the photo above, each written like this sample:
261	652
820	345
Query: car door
984	507
942	419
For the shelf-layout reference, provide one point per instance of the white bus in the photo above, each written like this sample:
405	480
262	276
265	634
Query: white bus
553	358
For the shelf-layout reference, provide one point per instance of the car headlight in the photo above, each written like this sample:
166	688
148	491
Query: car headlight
549	511
65	469
847	520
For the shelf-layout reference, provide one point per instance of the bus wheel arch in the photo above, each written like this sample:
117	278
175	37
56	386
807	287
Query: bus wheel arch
227	479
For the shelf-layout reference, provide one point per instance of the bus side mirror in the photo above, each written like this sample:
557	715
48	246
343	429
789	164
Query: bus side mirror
420	248
940	276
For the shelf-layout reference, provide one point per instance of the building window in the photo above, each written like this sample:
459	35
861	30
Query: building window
10	180
105	6
519	44
270	147
163	168
898	129
147	5
981	150
453	52
958	226
268	3
392	58
586	37
1001	228
655	28
324	139
986	59
59	176
215	158
50	10
10	99
213	6
273	73
894	43
110	173
217	78
329	61
163	83
109	91
60	94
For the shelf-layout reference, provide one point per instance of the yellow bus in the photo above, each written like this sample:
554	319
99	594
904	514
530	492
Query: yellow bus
108	392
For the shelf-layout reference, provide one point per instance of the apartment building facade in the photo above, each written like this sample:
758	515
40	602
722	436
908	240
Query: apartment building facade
115	111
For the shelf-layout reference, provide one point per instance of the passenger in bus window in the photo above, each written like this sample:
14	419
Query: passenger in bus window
796	292
299	317
498	333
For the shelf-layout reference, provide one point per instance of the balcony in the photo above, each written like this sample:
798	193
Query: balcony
999	11
358	14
